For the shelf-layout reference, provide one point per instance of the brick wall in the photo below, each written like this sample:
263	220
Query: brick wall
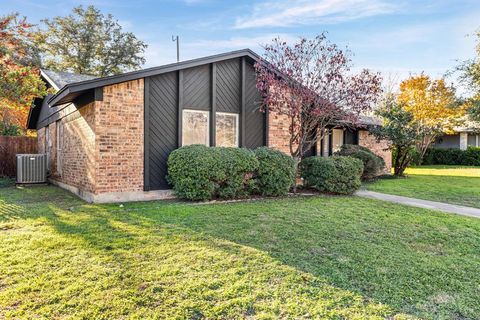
119	141
278	138
78	150
278	133
367	140
41	140
46	138
102	146
52	148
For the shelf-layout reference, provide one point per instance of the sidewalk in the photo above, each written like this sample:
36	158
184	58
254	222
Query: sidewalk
445	207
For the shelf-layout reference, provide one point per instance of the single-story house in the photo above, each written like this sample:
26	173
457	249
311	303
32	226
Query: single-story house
462	138
108	139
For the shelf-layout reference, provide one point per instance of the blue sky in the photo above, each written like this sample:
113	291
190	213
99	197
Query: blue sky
394	37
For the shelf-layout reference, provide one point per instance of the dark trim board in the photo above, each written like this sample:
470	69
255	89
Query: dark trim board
146	135
242	102
213	104
330	142
180	106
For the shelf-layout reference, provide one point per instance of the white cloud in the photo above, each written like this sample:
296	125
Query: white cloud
289	13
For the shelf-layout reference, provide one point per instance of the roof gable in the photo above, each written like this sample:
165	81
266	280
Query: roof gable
72	90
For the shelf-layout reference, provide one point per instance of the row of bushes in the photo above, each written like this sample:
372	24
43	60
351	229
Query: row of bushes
453	156
200	173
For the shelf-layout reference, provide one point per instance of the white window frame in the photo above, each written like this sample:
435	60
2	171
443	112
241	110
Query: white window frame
208	124
237	126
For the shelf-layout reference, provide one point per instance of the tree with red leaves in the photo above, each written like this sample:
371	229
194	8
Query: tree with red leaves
311	83
20	80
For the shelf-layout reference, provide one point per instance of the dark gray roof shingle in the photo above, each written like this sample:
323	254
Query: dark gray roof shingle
60	79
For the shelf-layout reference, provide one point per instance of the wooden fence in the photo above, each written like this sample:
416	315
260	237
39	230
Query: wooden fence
9	147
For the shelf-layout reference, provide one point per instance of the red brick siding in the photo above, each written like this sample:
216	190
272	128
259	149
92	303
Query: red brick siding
52	147
119	140
380	148
41	140
78	166
278	132
279	137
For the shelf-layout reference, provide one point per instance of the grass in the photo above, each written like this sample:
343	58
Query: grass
450	184
316	257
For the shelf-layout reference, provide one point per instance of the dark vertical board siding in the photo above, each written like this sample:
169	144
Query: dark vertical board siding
242	102
213	100
162	126
196	88
254	119
219	87
180	95
228	86
330	142
146	135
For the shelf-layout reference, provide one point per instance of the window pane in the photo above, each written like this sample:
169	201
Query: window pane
195	128
337	139
227	130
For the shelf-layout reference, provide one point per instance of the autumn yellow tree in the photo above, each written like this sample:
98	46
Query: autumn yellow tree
433	106
20	80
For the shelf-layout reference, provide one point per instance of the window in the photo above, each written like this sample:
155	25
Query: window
195	127
337	139
226	129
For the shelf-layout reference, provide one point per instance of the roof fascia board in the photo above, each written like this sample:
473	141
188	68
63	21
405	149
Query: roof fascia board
49	80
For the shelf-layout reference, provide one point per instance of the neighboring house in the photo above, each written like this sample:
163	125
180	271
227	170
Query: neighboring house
108	139
464	137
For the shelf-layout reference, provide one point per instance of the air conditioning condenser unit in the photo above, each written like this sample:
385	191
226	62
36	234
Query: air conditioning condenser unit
31	168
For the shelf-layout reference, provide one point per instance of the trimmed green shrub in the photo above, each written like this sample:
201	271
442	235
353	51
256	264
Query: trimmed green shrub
472	156
335	174
372	164
198	172
453	156
275	174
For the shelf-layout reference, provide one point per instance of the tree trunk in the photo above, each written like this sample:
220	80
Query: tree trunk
297	160
401	162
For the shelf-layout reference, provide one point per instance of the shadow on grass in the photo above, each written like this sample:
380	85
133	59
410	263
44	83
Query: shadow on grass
375	251
400	256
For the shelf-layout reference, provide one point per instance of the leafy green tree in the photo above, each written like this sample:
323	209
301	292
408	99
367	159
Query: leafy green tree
474	110
88	42
401	129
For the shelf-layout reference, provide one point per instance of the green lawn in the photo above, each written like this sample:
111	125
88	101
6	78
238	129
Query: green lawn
451	184
316	257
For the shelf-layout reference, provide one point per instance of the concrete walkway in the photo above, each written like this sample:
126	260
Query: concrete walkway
445	207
